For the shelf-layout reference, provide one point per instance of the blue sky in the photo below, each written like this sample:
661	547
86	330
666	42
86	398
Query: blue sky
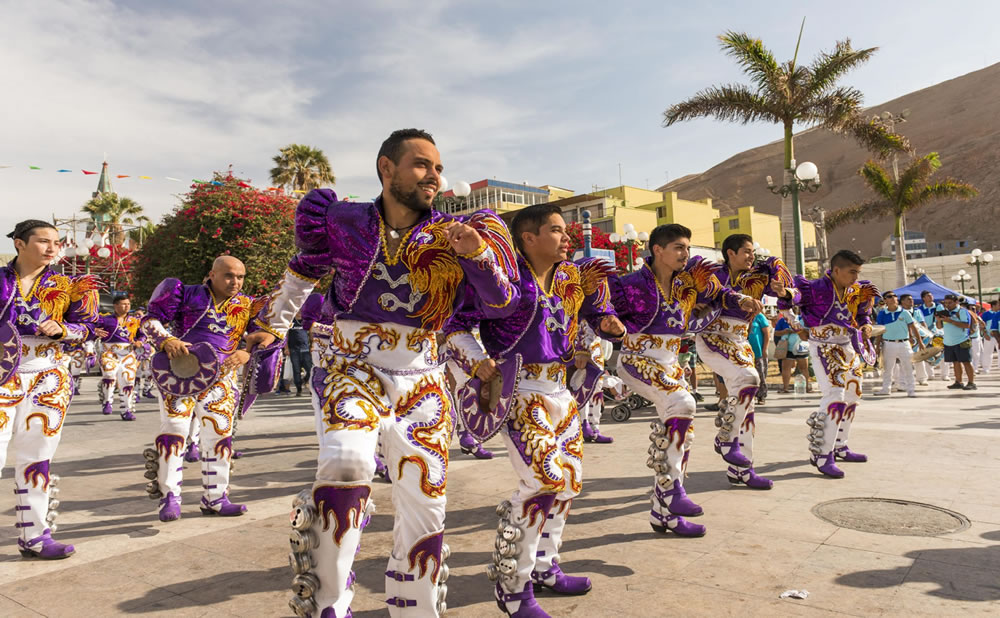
538	92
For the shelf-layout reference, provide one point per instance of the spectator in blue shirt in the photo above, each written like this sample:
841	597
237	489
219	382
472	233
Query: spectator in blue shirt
955	322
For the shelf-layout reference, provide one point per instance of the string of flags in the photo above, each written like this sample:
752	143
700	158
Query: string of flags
170	178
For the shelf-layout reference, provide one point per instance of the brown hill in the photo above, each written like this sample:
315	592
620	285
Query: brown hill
959	118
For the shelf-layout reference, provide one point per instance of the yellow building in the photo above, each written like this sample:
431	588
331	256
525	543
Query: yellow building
766	231
697	215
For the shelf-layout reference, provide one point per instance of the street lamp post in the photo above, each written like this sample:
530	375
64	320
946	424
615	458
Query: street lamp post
805	178
631	237
979	259
587	233
916	273
962	278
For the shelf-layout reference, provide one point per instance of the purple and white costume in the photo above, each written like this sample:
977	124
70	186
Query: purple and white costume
118	361
191	312
656	320
35	397
542	432
833	321
380	370
724	346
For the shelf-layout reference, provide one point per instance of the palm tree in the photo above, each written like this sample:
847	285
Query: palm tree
912	191
787	94
143	230
112	211
301	168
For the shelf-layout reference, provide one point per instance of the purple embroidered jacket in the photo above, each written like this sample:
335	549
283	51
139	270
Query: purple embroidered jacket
125	329
421	286
755	283
645	307
191	313
820	306
70	301
543	328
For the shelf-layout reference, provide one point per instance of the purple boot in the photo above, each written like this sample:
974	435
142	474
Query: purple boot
192	454
381	470
108	408
76	387
148	395
470	446
527	609
128	416
733	455
569	585
748	477
679	503
48	550
588	432
600	438
845	454
673	523
170	507
827	465
225	507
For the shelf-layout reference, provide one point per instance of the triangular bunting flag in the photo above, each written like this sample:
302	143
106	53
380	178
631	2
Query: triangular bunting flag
146	177
34	167
123	175
88	173
64	171
172	178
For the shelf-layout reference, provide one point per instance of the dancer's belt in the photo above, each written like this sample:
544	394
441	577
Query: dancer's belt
393	349
737	327
895	340
661	348
39	353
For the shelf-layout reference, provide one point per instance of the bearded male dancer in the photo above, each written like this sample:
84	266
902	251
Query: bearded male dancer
217	314
836	308
724	346
656	303
40	312
119	333
542	431
401	270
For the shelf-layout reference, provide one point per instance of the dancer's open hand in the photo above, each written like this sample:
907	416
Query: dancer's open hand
175	348
235	360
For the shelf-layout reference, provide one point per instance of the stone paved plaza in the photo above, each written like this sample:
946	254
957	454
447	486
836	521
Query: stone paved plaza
940	448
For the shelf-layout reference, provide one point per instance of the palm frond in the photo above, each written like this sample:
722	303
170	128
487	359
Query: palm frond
874	137
949	188
859	213
878	180
834	110
756	60
827	68
733	102
915	175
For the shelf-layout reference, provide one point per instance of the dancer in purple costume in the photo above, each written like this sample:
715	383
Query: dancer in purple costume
401	269
542	432
216	313
119	333
656	303
725	347
40	312
836	308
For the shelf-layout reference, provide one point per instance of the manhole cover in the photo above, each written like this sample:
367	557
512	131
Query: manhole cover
888	516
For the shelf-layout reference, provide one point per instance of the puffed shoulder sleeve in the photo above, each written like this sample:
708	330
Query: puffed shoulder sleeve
597	302
81	314
776	270
164	305
314	259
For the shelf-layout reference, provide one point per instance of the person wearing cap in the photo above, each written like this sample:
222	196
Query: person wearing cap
542	431
213	316
120	336
41	311
836	308
897	341
400	271
725	347
955	322
926	311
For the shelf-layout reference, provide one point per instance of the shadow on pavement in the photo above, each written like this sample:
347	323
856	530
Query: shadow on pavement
938	566
216	589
